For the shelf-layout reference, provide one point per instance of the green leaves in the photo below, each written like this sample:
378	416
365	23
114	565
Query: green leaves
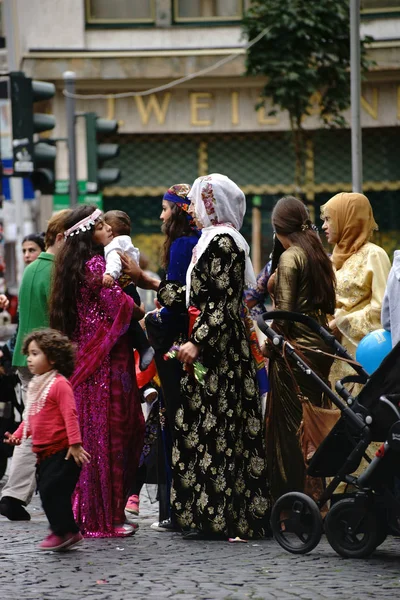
305	52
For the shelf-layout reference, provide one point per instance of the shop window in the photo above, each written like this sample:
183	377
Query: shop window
119	11
208	10
379	6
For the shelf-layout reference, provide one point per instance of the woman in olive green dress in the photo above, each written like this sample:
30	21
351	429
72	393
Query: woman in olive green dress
304	283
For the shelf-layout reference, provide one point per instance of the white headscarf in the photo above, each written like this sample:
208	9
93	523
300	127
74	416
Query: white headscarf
220	205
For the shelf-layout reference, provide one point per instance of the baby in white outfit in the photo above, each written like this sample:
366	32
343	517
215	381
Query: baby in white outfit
120	224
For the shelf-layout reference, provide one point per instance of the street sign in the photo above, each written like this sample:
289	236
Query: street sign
61	198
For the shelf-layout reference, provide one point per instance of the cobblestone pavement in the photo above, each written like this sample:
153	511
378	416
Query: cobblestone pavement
161	565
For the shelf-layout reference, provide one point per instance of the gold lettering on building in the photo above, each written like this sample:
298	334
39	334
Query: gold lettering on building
111	111
371	109
153	106
263	118
199	101
235	108
315	104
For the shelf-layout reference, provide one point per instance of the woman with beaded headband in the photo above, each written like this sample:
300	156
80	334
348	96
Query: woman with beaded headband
96	318
219	481
166	326
304	283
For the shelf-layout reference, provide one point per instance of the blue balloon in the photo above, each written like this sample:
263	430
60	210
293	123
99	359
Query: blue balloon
373	348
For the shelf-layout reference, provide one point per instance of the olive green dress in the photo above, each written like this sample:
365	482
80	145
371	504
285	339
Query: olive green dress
285	462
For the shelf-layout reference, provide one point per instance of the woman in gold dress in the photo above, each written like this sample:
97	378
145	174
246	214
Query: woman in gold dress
362	269
304	283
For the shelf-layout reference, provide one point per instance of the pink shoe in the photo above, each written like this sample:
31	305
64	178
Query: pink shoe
132	506
54	542
73	539
124	530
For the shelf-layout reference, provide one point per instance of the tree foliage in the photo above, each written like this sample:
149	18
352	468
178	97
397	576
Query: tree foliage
305	51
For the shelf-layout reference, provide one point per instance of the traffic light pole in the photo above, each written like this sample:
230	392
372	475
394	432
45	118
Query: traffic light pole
69	81
16	183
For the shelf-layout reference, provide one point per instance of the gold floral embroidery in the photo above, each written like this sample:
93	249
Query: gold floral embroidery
205	462
209	422
257	466
203	500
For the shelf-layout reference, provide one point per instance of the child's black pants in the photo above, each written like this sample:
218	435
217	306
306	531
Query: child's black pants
57	479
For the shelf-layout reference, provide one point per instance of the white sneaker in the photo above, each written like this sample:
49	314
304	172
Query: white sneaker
163	525
124	530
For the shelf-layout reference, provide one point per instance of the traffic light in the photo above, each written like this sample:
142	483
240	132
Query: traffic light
33	158
97	176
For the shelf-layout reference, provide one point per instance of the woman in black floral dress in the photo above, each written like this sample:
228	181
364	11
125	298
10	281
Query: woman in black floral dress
219	477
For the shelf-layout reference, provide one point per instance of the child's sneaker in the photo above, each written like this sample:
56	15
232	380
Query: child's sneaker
54	542
73	539
132	506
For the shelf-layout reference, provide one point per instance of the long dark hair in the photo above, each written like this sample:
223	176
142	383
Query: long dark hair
177	226
69	272
290	218
277	251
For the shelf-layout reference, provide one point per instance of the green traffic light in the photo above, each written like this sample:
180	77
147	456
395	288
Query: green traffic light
109	175
42	90
44	153
106	125
106	151
98	153
43	122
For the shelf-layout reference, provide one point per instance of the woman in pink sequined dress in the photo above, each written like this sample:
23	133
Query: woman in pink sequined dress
104	382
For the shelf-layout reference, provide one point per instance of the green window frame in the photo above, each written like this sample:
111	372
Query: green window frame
178	20
92	21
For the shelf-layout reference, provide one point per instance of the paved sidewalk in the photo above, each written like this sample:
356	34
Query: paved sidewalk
155	565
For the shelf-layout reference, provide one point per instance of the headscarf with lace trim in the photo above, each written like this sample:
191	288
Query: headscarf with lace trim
352	220
220	206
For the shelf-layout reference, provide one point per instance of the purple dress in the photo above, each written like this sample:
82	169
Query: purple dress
108	403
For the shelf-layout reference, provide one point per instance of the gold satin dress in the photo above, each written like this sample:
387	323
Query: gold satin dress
285	462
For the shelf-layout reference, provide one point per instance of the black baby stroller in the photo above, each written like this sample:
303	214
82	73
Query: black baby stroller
358	523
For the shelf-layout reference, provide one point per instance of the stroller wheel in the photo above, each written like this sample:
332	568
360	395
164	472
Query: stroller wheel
296	523
351	533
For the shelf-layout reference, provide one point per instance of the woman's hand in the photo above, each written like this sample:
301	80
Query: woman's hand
333	327
188	353
11	440
130	267
79	454
4	302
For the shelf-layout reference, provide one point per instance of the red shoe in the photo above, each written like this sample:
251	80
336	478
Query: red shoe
132	506
54	542
73	539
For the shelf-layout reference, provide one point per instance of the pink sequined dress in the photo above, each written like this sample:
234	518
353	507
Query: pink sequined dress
108	403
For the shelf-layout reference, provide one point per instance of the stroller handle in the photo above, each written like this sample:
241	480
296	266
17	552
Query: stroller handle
329	338
285	315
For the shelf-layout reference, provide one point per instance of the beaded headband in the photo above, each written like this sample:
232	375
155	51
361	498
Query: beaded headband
84	224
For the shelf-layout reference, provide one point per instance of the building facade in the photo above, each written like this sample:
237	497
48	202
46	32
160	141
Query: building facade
208	123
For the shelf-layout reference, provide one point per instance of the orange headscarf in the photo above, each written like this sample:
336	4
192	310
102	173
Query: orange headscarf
352	220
